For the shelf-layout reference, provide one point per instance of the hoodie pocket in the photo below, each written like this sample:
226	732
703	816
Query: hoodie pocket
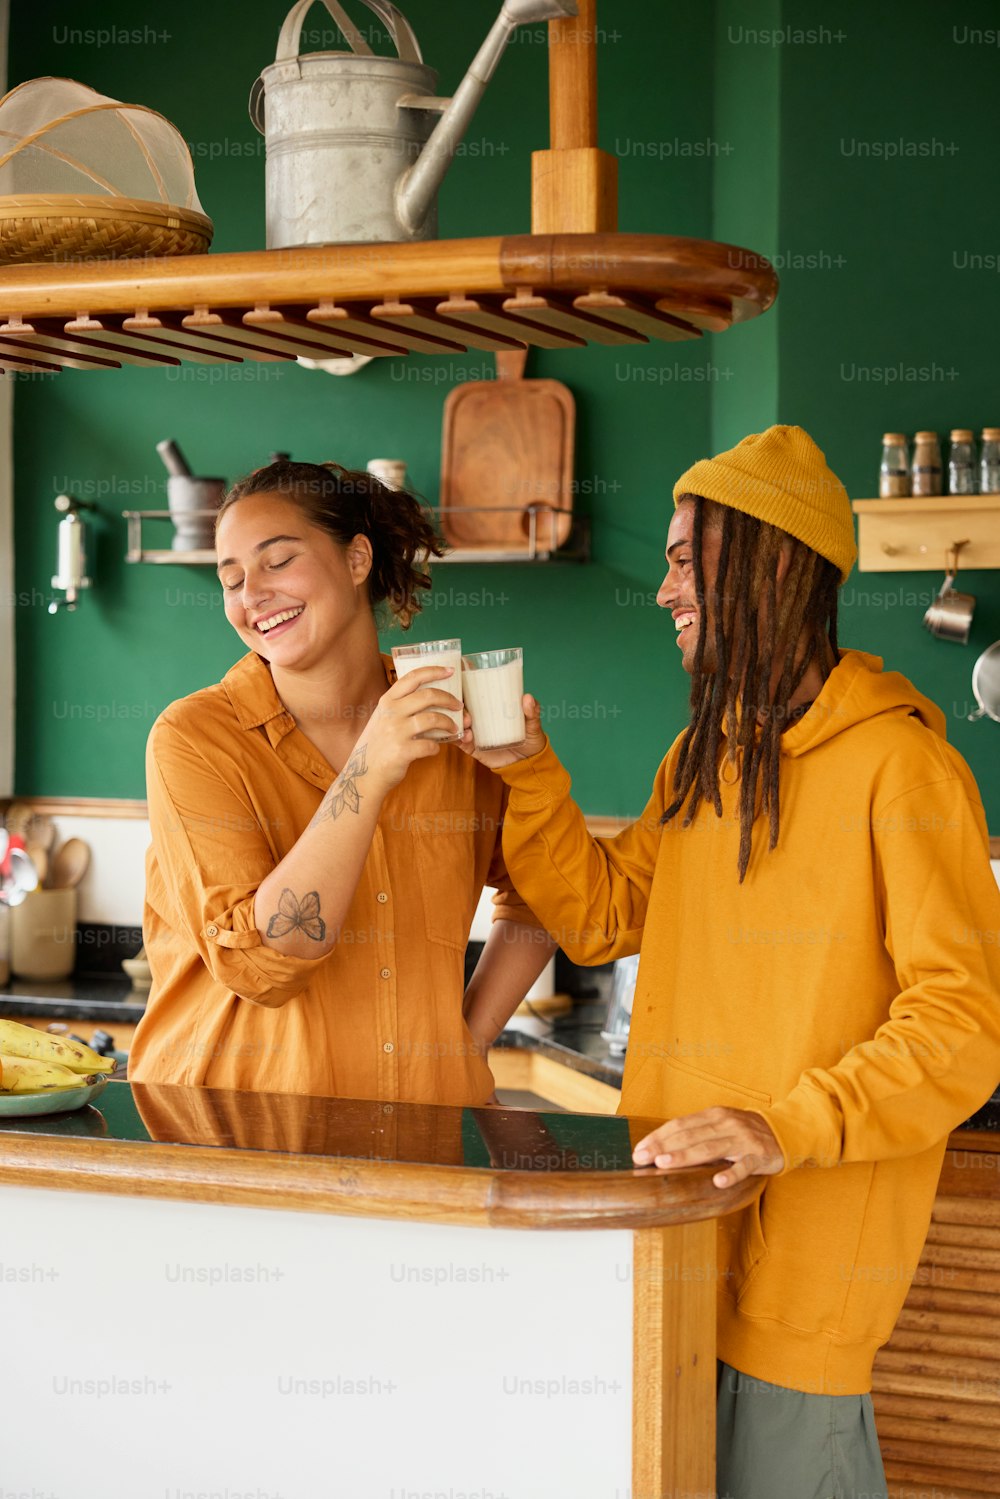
665	1086
749	1250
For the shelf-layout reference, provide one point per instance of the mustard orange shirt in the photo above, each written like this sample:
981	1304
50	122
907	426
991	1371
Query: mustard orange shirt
232	783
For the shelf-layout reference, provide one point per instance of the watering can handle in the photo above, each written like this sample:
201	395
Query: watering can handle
392	19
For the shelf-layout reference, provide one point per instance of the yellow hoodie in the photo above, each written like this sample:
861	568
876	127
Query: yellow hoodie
848	991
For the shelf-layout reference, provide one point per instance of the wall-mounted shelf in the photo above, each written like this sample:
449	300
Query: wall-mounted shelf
540	543
915	534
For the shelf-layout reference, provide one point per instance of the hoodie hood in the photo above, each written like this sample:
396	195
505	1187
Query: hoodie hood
855	691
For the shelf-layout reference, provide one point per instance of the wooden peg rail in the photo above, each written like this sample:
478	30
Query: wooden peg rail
560	291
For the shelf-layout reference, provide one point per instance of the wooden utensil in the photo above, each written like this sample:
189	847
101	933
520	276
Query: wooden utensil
508	448
69	864
42	832
39	857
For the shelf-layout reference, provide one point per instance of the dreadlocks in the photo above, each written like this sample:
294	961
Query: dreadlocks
753	630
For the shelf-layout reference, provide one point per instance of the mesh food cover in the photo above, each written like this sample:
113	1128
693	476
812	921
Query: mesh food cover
61	137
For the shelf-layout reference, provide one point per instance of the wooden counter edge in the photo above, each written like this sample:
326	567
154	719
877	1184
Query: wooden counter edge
348	1186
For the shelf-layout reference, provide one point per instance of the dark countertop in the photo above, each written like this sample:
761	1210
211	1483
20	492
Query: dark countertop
85	997
573	1040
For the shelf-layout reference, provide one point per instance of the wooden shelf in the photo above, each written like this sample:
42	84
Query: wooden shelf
427	297
576	548
915	533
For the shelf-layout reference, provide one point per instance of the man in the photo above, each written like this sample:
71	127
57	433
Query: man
817	999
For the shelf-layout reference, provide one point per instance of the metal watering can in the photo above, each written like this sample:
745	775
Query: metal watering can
357	144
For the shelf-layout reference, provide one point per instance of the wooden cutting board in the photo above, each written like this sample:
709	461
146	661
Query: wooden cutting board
507	447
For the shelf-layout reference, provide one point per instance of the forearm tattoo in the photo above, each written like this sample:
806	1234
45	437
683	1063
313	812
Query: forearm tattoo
294	915
344	791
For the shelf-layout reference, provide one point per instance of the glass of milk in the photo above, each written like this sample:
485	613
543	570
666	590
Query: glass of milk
436	653
492	685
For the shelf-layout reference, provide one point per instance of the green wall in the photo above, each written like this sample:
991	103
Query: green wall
717	135
887	330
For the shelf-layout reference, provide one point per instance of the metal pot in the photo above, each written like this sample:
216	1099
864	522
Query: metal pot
986	684
949	617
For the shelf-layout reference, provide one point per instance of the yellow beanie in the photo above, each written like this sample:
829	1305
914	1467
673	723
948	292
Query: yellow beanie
781	477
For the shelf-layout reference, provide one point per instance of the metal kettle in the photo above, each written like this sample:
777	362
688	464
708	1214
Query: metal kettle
358	144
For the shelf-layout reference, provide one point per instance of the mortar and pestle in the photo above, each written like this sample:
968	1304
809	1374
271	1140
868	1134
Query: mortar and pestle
192	501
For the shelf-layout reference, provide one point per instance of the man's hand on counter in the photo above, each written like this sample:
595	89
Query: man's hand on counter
718	1134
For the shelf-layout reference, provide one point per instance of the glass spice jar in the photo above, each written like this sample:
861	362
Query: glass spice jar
894	474
925	472
989	461
962	474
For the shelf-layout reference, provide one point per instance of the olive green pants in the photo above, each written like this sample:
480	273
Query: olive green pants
773	1443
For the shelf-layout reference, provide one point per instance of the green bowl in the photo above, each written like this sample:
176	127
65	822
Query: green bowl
52	1101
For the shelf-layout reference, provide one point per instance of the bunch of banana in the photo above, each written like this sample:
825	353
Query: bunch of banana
33	1061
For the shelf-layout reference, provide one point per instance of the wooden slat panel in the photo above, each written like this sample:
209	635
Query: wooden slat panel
948	1299
951	1323
938	1256
907	1490
328	341
711	315
356	320
254	343
969	1189
192	347
628	312
932	1412
550	312
51	351
487	313
906	1463
945	1391
937	1365
116	340
946	1433
473	335
964	1344
413	323
52	334
28	363
971	1235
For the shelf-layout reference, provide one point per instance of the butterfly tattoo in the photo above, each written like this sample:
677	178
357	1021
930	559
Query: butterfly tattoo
294	915
344	791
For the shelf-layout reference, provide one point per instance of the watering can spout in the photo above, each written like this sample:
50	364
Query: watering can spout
417	187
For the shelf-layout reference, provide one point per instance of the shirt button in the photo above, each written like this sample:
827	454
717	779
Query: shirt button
381	897
211	931
385	973
388	1046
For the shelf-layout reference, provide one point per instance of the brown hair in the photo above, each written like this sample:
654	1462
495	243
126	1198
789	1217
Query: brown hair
347	503
753	629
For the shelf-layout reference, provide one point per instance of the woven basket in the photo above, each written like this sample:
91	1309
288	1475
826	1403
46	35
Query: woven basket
60	226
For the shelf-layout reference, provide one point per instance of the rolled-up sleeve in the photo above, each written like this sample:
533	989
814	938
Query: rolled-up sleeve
211	855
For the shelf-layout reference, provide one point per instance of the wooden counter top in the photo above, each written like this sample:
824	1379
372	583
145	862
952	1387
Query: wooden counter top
490	1167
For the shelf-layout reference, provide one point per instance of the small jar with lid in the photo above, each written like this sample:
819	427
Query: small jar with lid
925	472
962	474
989	461
894	474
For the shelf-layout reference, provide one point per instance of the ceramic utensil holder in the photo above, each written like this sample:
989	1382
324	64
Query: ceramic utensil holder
43	935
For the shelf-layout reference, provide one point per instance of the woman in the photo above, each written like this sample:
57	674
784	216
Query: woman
315	862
